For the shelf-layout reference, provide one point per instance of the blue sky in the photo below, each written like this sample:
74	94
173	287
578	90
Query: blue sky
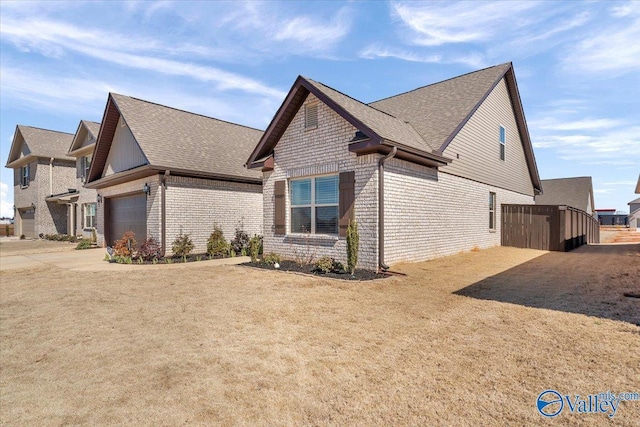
577	65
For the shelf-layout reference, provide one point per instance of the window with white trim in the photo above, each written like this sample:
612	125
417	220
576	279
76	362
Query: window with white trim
24	175
311	116
85	164
89	215
492	211
314	205
503	142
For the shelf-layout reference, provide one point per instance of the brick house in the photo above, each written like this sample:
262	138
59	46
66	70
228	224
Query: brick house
424	173
159	171
82	218
41	169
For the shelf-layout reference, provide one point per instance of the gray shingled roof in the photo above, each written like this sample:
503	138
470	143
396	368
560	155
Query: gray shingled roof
435	111
178	139
383	124
94	127
574	192
633	202
42	143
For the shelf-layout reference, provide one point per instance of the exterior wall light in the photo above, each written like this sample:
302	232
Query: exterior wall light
146	189
99	198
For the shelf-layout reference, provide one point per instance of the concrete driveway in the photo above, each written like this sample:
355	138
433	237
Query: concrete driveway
66	257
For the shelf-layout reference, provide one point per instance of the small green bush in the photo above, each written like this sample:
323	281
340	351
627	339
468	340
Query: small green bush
271	258
353	244
323	265
84	244
216	244
182	245
255	247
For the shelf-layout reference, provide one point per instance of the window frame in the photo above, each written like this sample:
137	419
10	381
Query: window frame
25	175
313	205
83	166
502	139
492	210
85	223
311	124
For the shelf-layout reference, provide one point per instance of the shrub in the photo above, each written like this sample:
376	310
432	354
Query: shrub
353	243
22	237
323	265
255	244
271	258
240	241
183	245
84	244
126	245
216	244
150	249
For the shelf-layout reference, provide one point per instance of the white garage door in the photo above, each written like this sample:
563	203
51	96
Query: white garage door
128	213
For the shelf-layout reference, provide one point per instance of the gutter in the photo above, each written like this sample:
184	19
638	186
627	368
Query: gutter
381	264
163	210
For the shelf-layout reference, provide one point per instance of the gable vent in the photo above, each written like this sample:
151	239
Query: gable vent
311	116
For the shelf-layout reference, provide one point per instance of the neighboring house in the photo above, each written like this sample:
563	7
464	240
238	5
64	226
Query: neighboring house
424	173
638	186
611	217
159	171
634	213
575	192
79	201
42	169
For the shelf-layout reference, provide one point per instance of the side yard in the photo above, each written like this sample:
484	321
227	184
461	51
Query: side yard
450	343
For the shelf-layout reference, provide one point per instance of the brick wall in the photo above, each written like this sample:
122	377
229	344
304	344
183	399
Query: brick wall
195	206
429	214
51	218
323	150
86	195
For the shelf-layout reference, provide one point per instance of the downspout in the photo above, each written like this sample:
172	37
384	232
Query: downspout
50	176
163	210
383	266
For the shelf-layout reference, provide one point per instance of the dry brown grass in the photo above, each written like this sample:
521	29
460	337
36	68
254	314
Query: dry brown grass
11	247
239	346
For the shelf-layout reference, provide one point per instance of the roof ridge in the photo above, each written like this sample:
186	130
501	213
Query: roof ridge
436	83
47	130
185	111
568	177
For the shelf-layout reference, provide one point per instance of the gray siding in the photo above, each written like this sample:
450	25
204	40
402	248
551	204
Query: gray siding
476	148
125	153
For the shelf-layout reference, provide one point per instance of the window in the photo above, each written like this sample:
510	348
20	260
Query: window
503	141
314	205
89	215
85	164
311	116
24	176
492	211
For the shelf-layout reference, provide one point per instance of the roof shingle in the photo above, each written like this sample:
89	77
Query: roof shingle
42	143
575	192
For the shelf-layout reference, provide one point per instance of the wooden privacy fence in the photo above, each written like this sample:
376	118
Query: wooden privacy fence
547	227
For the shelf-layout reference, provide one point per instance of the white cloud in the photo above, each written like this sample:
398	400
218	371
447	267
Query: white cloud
6	204
438	23
473	60
314	34
613	48
586	124
52	38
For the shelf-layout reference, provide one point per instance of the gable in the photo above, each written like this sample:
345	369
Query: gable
124	153
475	149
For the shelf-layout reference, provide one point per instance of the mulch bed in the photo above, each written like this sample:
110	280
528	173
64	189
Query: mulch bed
176	259
292	266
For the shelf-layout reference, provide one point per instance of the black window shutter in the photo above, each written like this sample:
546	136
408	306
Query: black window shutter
279	213
347	199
